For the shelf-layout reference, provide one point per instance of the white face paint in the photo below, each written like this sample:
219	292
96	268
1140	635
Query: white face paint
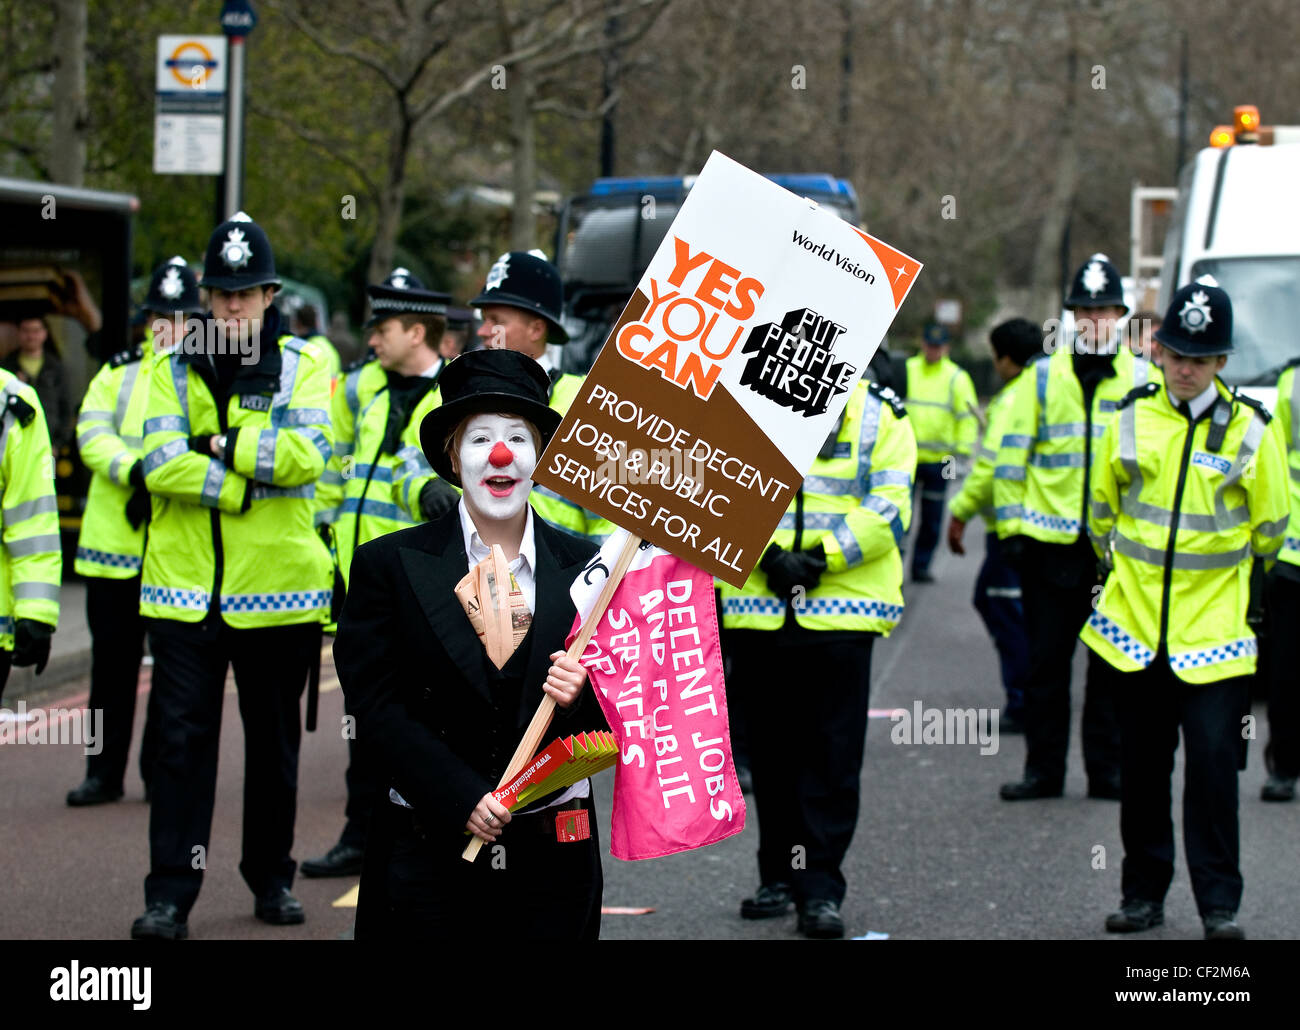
497	458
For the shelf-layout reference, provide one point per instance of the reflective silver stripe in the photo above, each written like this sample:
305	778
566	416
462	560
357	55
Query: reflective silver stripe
1021	440
124	393
306	417
161	455
90	434
166	424
1009	472
849	545
1057	430
1186	520
982	453
889	477
1042	368
913	402
87	415
265	466
828	486
350	387
24	511
318	439
1141	371
1277	528
867	435
331	478
28	546
342	448
1008	512
115	466
32	591
1182	559
288	373
1295	474
938	446
1072	460
1128	454
1295	413
1249	443
325	516
1013	593
889	512
181	382
216	476
260	492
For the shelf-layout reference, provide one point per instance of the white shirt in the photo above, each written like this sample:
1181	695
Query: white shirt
1200	403
522	568
432	370
551	358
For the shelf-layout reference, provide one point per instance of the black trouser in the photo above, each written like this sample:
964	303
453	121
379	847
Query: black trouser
1153	704
527	886
933	487
189	678
1055	611
1284	684
6	660
117	644
806	709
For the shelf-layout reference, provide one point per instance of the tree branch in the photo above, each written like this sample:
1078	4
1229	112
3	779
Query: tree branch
318	142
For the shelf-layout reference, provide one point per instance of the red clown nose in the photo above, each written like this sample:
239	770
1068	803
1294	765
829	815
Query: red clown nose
501	456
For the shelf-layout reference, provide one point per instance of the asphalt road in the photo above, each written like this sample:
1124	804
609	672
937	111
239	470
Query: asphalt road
936	854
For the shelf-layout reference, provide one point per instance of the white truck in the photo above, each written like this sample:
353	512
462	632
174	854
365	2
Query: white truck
1237	218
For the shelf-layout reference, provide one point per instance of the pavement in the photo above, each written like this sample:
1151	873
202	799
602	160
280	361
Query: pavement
936	855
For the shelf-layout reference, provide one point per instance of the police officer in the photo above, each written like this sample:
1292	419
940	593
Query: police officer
1283	607
521	303
407	325
110	547
236	434
828	584
941	407
31	559
1015	344
1055	416
1190	483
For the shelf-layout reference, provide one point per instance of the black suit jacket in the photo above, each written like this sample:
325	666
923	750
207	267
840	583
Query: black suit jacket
415	676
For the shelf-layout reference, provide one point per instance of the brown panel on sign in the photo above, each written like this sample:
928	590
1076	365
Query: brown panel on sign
695	477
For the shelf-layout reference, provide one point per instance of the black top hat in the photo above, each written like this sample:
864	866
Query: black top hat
521	279
1199	320
486	382
403	294
239	256
172	287
1096	284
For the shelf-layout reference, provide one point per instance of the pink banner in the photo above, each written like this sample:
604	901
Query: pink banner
656	664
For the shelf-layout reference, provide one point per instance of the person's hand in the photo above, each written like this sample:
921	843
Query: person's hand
565	679
956	527
32	644
786	570
436	499
76	302
488	819
138	508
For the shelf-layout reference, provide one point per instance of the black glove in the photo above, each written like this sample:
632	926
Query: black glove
32	644
136	476
138	508
437	498
786	570
202	444
1013	551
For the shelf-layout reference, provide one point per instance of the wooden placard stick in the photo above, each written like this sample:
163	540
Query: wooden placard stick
541	722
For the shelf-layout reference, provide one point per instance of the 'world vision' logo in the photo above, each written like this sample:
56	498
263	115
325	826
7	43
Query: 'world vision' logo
792	362
682	332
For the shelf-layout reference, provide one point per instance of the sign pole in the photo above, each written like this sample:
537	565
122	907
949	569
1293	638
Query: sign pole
532	739
237	21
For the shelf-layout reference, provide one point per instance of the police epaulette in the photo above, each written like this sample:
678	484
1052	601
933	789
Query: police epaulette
125	357
20	409
360	363
1137	393
1250	402
887	394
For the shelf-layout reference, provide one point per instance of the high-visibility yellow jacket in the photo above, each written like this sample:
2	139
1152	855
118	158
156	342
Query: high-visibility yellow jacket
110	438
857	504
236	534
373	501
941	407
1040	480
331	354
1181	521
976	495
360	384
31	558
1288	428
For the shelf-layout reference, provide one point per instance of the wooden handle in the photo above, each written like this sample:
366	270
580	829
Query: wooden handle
541	721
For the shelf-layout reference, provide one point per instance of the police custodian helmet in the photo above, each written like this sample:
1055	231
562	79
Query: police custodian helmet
522	279
1199	320
403	294
1096	284
172	287
239	256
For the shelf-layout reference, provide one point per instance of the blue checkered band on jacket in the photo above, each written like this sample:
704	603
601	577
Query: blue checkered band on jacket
113	561
1125	643
171	597
1246	648
813	606
293	600
1056	523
